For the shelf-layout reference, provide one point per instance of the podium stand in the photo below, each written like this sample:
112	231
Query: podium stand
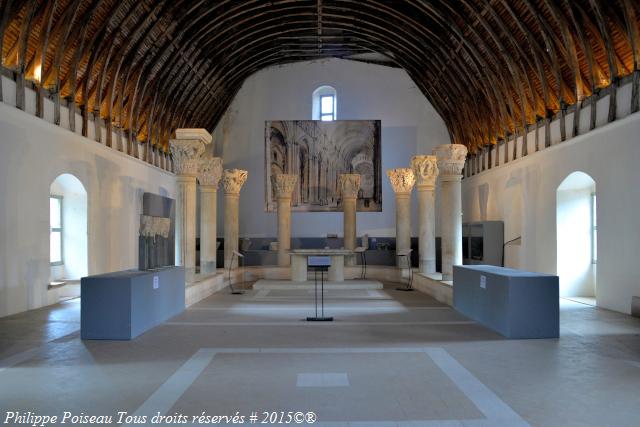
240	256
406	255
321	264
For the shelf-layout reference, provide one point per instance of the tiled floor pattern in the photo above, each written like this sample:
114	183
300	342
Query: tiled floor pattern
410	386
390	358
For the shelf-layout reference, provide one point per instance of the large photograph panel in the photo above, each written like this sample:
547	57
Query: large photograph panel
318	152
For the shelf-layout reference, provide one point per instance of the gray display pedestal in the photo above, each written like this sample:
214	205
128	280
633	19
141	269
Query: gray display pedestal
517	304
124	304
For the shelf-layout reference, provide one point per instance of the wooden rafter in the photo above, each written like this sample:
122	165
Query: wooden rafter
490	68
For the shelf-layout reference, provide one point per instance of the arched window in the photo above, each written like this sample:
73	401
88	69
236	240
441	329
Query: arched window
55	229
325	102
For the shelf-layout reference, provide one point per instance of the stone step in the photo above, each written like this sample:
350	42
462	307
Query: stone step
263	284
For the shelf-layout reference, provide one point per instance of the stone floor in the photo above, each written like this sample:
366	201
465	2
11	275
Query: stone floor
390	358
583	300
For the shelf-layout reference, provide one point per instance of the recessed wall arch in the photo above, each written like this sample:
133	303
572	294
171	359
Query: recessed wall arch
72	192
576	235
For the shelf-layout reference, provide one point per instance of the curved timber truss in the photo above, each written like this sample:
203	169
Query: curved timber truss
489	67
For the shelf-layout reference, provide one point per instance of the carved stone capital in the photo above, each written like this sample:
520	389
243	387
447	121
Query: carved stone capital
210	171
402	179
186	155
349	185
284	183
194	133
233	180
425	169
451	158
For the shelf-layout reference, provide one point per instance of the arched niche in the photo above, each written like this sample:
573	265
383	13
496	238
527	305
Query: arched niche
74	231
576	233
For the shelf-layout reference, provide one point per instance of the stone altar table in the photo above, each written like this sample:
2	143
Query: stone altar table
299	263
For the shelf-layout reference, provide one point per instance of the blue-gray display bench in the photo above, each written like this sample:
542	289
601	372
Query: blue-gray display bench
124	304
517	304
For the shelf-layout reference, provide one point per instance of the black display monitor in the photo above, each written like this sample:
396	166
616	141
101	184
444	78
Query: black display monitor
477	251
465	247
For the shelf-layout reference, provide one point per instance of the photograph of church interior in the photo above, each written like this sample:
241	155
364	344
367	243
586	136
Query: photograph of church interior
320	212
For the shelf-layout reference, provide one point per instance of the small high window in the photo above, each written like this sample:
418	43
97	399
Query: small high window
327	112
55	230
324	104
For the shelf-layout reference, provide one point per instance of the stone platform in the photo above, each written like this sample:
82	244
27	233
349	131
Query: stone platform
263	284
432	284
203	285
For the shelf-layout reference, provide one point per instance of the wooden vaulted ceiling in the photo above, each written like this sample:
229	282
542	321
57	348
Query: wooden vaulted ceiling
489	67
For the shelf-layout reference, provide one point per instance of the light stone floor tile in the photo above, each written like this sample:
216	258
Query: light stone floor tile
327	379
380	386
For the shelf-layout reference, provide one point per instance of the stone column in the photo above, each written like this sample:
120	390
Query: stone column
349	184
186	151
402	181
451	158
425	170
232	181
209	175
284	185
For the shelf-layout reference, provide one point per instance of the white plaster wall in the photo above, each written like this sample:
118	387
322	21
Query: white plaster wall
610	155
33	153
410	125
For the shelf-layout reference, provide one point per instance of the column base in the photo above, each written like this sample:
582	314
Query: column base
427	266
189	274
350	261
232	266
208	267
284	260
